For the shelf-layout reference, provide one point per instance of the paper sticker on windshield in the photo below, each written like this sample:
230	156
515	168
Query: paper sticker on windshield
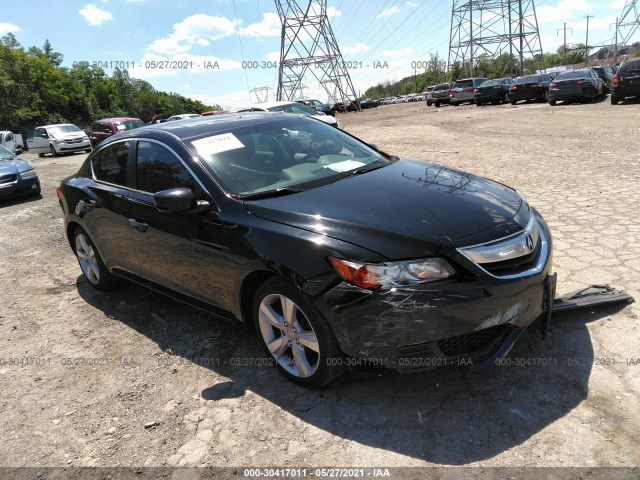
217	144
344	166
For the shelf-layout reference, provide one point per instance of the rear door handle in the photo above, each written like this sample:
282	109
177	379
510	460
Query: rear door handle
138	224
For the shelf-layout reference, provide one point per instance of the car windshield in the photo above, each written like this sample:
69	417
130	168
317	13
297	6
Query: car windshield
490	83
62	129
5	154
630	66
282	156
572	75
294	108
528	79
129	125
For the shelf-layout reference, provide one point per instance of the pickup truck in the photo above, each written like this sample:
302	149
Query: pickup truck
11	141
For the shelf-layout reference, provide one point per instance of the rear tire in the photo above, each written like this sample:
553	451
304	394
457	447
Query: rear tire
93	268
296	335
614	99
552	103
513	102
437	104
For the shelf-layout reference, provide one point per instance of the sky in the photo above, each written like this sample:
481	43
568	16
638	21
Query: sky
214	39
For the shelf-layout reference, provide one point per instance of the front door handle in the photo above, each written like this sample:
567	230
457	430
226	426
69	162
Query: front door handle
138	224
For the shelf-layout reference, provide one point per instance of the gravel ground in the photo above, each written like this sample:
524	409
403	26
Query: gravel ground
131	378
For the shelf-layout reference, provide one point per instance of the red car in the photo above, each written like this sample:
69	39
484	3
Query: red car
106	127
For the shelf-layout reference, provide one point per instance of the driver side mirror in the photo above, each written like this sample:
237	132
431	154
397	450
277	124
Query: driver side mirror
178	200
44	135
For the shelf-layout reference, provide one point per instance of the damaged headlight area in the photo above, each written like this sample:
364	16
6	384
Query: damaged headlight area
392	274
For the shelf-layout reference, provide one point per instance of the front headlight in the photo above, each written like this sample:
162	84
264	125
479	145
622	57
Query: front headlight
374	276
28	174
59	142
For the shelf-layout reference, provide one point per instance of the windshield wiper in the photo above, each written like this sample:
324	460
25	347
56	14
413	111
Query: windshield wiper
280	192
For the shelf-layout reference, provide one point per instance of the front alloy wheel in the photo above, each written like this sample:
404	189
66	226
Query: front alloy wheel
296	335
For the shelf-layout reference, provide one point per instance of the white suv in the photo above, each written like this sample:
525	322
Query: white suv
57	139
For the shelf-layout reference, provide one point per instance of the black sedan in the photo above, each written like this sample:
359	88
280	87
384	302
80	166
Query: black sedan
493	91
584	84
17	177
626	81
335	253
530	87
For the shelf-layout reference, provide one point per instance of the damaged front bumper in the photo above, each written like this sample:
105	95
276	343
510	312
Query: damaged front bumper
467	322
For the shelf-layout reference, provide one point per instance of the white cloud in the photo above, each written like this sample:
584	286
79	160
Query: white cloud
563	10
355	48
95	16
388	12
273	56
333	12
617	4
9	27
414	5
397	53
269	26
197	29
233	100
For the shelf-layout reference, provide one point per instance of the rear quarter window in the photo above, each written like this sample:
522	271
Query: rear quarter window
630	65
110	164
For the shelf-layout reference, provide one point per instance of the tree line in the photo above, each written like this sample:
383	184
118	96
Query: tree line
36	90
434	70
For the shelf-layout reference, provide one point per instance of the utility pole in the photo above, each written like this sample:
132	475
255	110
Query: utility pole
564	45
586	45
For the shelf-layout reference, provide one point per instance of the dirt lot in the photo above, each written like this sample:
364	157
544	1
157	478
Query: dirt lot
571	401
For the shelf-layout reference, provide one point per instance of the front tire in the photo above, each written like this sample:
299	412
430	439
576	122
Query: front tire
52	149
93	268
296	335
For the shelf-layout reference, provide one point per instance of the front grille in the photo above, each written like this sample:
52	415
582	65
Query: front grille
4	179
474	342
514	265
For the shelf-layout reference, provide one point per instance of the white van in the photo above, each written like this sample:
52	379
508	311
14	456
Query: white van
57	139
11	141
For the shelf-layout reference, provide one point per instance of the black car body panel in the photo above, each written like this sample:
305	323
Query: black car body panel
626	82
14	179
530	87
211	255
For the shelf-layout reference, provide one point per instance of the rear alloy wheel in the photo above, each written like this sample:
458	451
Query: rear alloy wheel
90	262
296	335
52	149
614	99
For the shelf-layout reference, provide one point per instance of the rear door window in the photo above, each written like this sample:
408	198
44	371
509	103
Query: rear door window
110	165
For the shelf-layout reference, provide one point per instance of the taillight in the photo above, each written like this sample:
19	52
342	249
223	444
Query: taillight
535	85
513	89
496	88
470	90
59	193
553	85
616	81
475	90
581	82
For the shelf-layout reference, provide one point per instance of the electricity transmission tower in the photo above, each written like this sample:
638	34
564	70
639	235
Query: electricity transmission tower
627	24
492	28
309	47
261	93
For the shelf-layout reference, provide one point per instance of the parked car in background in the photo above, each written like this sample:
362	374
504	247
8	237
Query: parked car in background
58	139
106	127
626	82
326	108
440	94
330	249
11	141
584	84
428	95
17	177
182	116
292	107
214	112
463	91
530	87
493	91
606	74
369	103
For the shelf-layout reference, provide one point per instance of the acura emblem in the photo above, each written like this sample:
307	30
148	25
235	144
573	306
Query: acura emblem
529	242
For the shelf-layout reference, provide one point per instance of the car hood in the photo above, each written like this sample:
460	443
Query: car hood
14	166
68	136
408	209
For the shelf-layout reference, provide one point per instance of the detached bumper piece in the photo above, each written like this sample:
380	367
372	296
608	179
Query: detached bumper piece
592	296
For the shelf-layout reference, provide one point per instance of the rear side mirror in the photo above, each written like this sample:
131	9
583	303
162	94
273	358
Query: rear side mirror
174	200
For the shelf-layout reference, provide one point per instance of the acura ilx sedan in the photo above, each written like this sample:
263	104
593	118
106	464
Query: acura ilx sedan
333	252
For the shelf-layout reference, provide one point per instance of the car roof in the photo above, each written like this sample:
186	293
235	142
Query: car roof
57	125
117	119
206	126
272	104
